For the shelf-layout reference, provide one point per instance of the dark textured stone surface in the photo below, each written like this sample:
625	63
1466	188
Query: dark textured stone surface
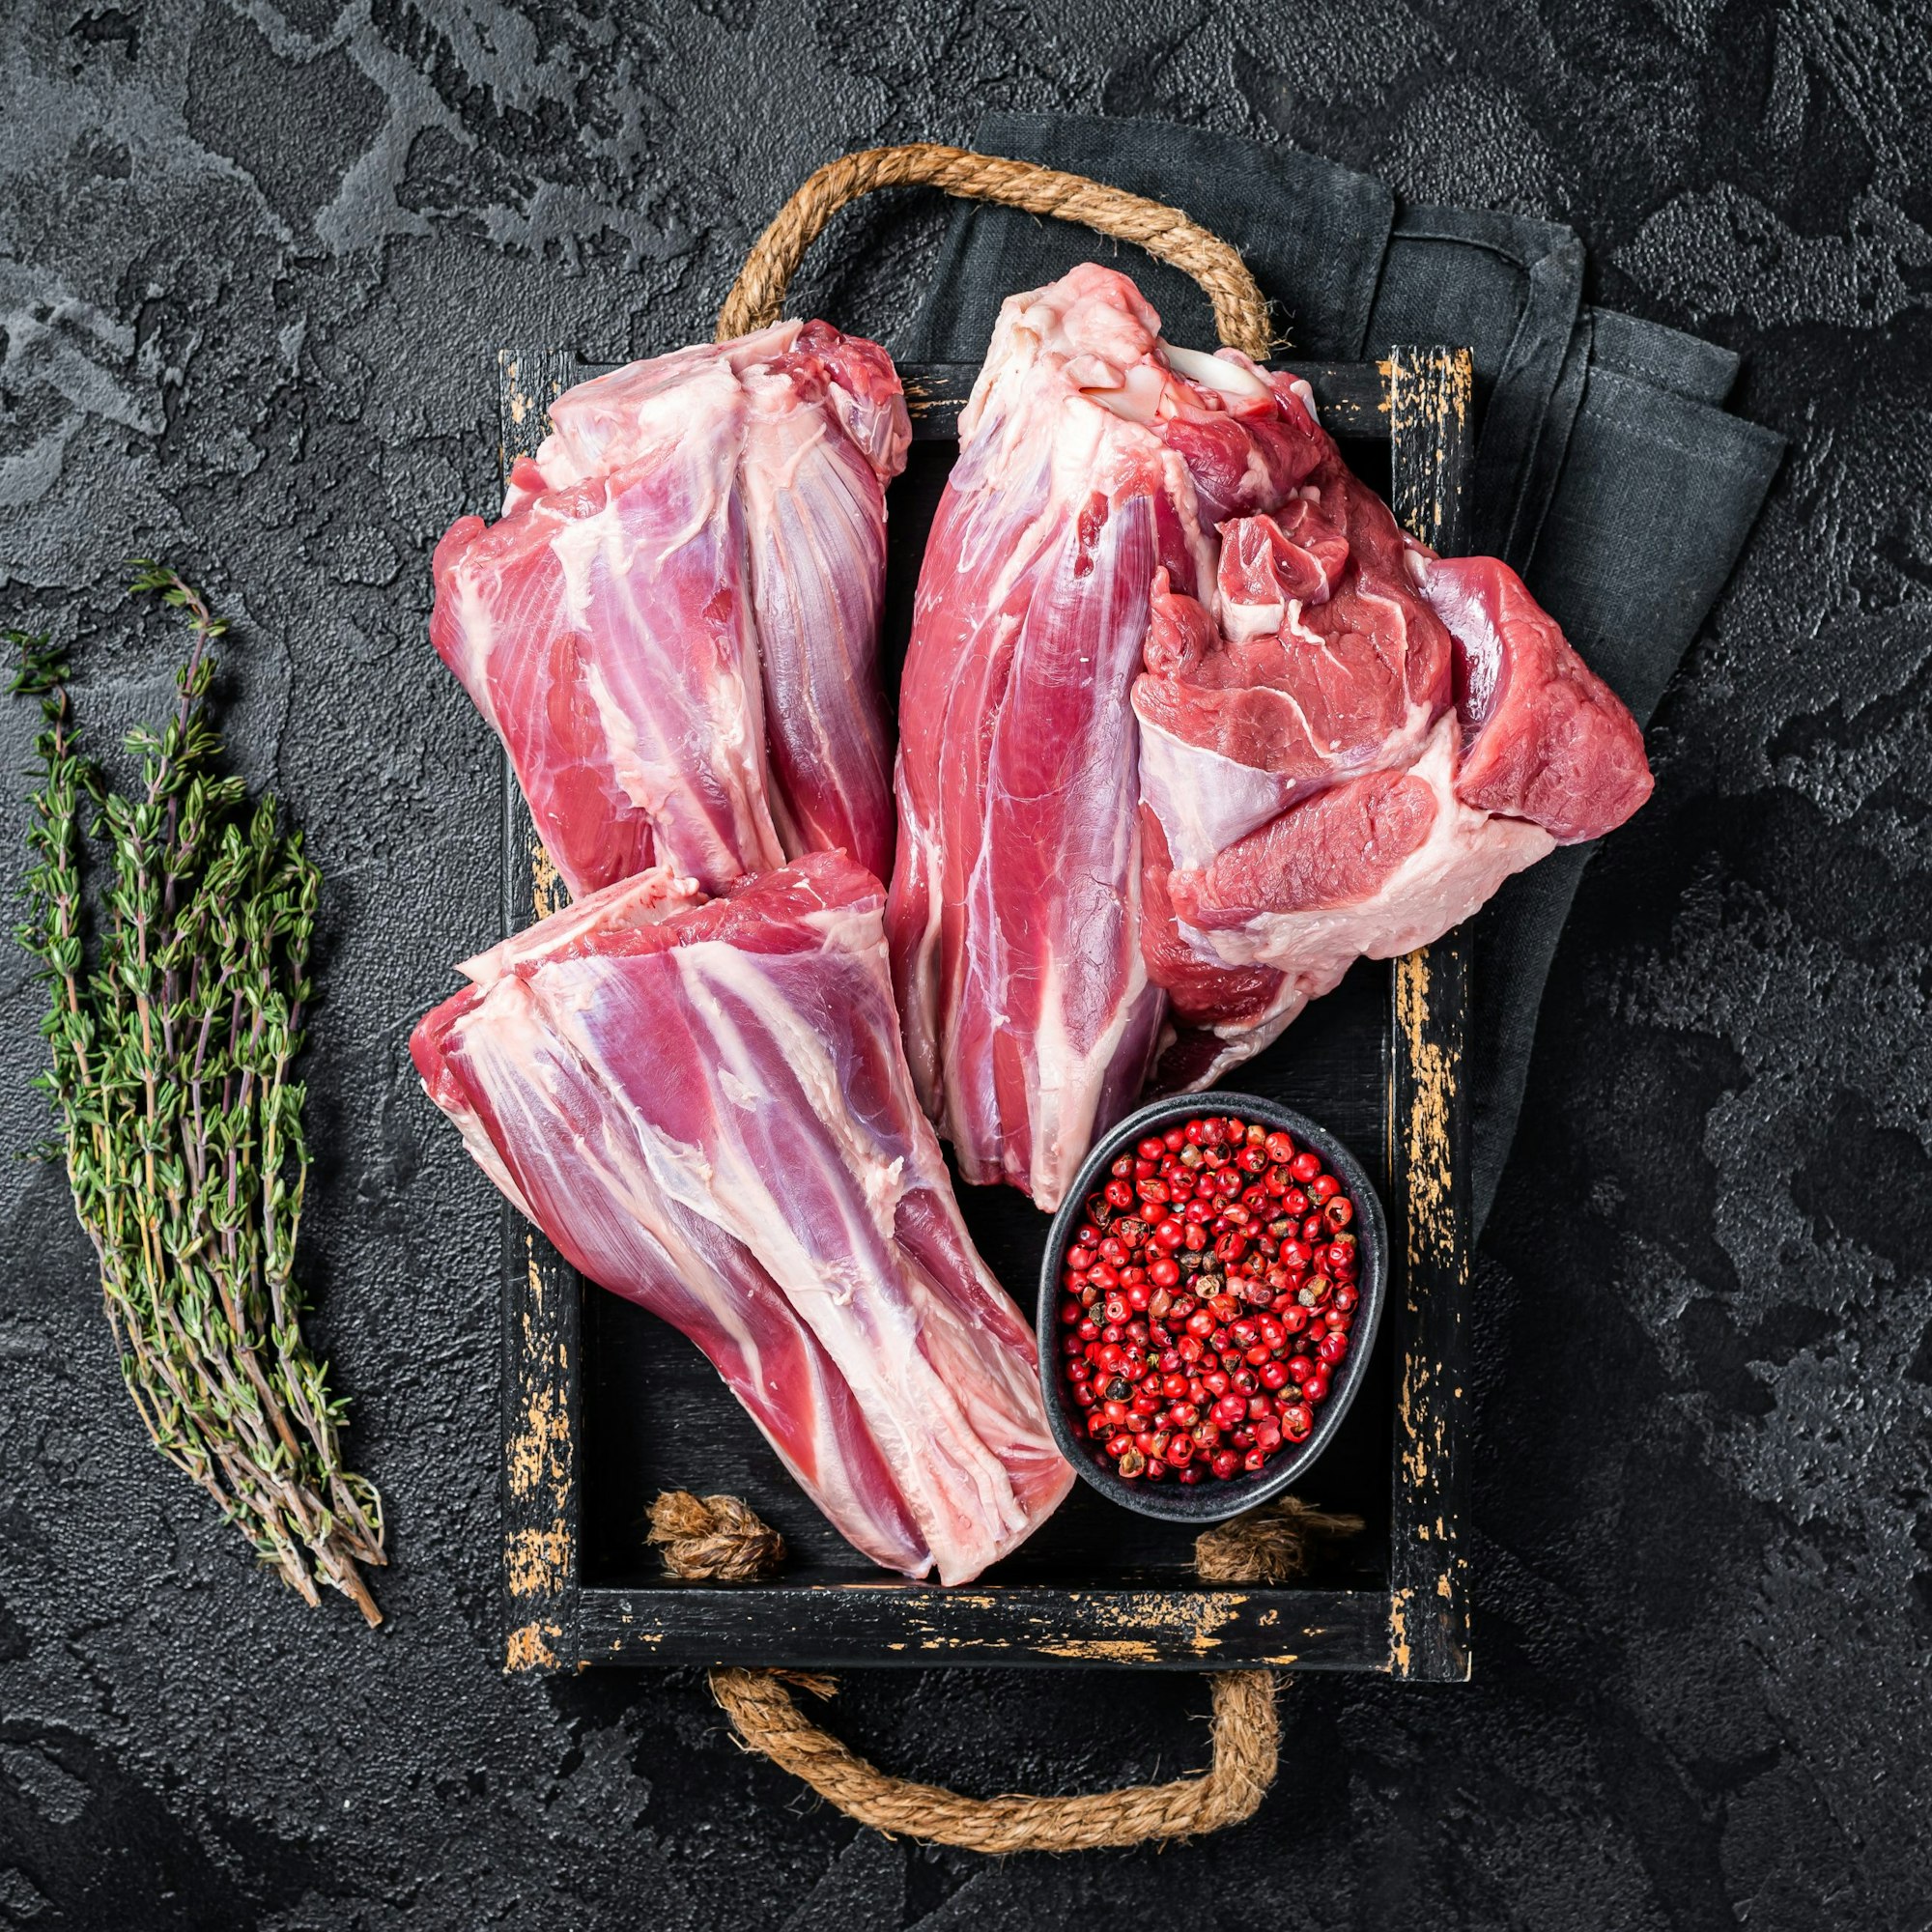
253	264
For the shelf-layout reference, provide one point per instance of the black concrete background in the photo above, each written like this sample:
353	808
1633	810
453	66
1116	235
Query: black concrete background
253	267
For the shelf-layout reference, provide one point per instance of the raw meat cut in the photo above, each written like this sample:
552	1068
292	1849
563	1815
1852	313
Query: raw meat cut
675	625
1188	725
1091	456
1347	759
706	1106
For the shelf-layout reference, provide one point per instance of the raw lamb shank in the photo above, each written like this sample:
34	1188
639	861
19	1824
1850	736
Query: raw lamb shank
675	625
1187	725
705	1105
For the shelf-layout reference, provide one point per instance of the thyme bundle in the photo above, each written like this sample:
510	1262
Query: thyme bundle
178	1120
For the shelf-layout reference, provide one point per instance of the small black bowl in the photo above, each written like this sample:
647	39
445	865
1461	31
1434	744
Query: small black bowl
1213	1500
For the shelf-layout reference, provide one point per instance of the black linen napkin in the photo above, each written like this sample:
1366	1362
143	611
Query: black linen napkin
1607	471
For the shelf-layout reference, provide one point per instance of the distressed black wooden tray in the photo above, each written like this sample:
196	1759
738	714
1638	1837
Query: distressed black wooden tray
604	1407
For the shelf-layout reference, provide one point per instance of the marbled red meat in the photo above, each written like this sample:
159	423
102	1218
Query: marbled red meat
705	1105
675	625
1544	738
1348	762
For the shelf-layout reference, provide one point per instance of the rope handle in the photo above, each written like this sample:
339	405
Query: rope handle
720	1538
1240	310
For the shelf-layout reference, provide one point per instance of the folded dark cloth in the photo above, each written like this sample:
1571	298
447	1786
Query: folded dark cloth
1606	470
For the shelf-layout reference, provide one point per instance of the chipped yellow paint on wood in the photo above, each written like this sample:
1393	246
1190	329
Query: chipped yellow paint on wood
1427	1143
1431	419
539	1453
1432	1248
1150	1623
546	889
1104	1650
531	1648
1196	1616
625	1640
923	396
536	1559
1423	1428
525	404
1430	401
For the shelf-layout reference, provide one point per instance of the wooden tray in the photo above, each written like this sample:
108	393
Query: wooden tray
604	1407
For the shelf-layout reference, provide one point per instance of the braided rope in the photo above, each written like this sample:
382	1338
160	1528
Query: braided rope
1240	310
714	1539
1247	1735
1271	1545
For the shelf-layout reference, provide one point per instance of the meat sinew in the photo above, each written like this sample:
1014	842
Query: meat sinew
705	1105
674	627
1091	456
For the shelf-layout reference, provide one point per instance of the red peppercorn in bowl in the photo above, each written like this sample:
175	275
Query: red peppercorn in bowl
1208	1302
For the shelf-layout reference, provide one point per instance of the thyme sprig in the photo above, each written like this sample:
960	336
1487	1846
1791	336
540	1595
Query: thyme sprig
179	1119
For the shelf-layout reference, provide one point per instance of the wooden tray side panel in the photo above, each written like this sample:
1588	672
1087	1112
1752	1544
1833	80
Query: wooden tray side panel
1354	398
542	1362
841	1626
1431	396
